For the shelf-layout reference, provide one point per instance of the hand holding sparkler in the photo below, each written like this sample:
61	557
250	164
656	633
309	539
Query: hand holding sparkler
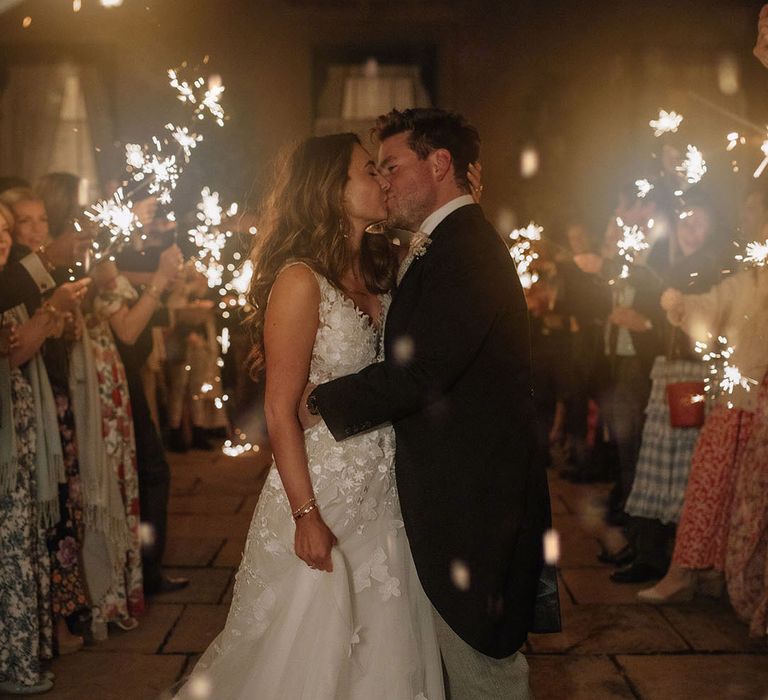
761	46
626	317
169	268
672	303
67	297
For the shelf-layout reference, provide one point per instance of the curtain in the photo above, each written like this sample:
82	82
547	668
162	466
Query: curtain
30	109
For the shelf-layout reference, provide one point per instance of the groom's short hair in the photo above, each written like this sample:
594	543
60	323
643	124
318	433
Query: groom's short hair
431	129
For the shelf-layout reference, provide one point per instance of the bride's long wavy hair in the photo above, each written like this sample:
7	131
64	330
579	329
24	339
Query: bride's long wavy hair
303	218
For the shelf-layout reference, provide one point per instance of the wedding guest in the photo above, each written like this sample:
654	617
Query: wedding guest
746	559
630	344
689	261
68	594
736	308
116	586
152	270
30	465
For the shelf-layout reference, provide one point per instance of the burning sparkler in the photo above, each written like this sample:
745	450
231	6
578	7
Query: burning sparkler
643	188
721	374
116	215
668	122
693	167
764	162
206	101
186	140
734	139
756	253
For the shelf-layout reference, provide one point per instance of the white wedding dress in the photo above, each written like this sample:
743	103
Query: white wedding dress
364	631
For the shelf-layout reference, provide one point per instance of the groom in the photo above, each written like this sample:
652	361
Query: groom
456	384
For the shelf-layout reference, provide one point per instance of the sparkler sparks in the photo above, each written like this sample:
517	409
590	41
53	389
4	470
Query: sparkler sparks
206	101
668	122
721	374
522	253
633	241
209	239
186	140
764	162
693	167
643	188
116	215
756	253
734	139
163	172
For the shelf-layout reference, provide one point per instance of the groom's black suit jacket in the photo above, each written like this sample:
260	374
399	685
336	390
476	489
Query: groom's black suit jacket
456	383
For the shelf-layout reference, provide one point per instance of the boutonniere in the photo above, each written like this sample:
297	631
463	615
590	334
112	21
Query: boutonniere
419	243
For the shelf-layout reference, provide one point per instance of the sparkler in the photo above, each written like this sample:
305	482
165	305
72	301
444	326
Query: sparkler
522	253
162	172
158	172
186	140
756	253
764	162
633	241
643	188
734	139
206	102
693	167
116	215
668	122
722	376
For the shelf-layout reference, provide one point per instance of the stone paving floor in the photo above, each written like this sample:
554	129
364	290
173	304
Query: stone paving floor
611	646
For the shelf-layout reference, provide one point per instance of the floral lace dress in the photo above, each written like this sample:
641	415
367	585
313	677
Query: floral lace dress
25	628
363	631
125	596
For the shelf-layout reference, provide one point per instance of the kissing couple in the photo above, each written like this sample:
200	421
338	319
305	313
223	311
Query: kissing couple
396	549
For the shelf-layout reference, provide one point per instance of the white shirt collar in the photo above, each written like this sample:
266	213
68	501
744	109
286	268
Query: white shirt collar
436	217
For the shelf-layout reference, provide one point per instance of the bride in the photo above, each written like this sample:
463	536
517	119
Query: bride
327	603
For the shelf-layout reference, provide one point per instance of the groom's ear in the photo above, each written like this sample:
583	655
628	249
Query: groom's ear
441	163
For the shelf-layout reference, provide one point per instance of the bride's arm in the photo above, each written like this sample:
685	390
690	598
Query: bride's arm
290	326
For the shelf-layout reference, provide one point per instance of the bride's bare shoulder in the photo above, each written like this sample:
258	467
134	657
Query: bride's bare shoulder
296	283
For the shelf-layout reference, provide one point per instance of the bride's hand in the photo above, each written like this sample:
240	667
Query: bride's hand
475	177
313	541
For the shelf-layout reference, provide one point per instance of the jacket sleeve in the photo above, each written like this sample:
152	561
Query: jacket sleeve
459	301
23	282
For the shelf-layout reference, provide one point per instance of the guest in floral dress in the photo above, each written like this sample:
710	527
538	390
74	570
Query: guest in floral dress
746	561
737	308
116	308
690	260
31	230
26	629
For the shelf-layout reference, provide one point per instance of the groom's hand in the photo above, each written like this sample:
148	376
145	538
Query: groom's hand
306	419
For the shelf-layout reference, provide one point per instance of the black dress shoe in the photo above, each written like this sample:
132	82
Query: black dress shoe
621	558
637	573
167	584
